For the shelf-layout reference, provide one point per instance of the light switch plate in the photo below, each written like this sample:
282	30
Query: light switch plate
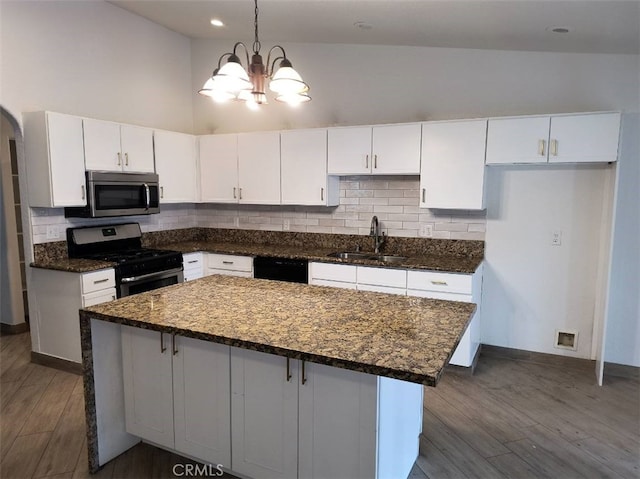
426	230
556	238
286	224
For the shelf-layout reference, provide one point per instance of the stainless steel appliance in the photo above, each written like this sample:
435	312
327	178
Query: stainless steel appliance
118	194
281	269
137	269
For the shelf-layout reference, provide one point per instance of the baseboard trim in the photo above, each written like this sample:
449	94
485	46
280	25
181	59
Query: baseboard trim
56	363
621	370
465	370
6	329
539	358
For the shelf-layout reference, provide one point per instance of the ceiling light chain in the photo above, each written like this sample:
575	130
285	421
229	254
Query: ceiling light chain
233	81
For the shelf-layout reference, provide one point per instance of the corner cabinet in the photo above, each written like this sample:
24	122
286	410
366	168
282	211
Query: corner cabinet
452	170
378	150
583	138
175	156
54	153
176	393
117	147
303	165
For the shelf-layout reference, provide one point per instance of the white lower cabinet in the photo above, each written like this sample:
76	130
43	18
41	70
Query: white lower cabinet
230	265
176	393
193	264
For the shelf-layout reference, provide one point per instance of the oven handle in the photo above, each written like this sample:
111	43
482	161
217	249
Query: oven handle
167	272
147	196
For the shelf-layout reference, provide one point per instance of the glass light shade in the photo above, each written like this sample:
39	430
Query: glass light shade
213	89
294	100
233	77
287	81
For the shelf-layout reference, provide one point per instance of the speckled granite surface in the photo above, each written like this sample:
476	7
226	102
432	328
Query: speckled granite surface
422	253
401	337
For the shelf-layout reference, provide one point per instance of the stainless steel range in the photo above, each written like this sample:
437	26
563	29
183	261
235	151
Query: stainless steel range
137	269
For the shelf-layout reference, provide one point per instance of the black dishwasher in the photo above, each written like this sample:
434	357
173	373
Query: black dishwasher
281	269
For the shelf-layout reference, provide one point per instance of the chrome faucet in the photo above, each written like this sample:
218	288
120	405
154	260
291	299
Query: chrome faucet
378	238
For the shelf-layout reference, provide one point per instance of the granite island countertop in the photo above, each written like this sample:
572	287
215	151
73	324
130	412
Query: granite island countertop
407	338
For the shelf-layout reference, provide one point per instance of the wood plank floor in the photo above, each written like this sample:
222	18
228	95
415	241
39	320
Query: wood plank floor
510	420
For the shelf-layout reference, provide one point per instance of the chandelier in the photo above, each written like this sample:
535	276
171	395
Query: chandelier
232	81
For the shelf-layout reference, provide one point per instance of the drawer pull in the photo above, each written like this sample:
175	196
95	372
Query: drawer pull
424	193
541	147
163	348
366	162
162	192
119	159
554	147
304	375
439	283
174	348
126	159
288	371
98	281
227	262
192	261
84	195
375	161
234	193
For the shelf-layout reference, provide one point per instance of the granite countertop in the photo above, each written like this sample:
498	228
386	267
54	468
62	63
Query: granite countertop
387	335
433	262
72	265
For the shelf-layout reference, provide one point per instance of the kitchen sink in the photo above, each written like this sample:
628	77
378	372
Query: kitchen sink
385	258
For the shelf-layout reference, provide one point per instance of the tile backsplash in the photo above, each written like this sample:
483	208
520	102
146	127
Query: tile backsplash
393	199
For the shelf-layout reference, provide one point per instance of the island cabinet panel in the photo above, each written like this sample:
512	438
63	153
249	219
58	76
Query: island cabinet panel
148	386
264	415
337	427
177	393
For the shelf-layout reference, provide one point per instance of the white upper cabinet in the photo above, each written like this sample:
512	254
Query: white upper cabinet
517	140
175	155
583	138
111	146
55	159
259	168
378	150
452	172
218	168
303	163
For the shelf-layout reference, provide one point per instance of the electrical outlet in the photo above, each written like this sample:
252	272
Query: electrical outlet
286	224
556	238
426	231
52	232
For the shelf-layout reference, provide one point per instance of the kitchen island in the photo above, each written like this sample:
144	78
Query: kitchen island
302	381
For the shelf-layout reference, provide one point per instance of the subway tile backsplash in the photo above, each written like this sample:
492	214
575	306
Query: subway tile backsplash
393	199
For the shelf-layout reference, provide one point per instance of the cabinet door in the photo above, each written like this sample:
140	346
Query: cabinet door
264	415
396	149
218	168
452	172
66	160
102	150
259	168
349	150
584	138
175	155
202	400
518	140
148	386
304	167
137	149
338	418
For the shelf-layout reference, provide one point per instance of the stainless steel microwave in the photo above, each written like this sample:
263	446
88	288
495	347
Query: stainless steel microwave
118	194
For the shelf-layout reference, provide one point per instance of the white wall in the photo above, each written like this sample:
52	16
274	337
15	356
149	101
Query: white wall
93	59
623	323
360	84
530	287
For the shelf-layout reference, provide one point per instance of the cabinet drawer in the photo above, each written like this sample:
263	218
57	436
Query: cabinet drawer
421	293
333	284
229	272
333	272
97	280
394	278
442	282
192	261
230	262
382	289
98	297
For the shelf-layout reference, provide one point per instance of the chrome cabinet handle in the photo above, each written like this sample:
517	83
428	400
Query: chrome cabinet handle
424	194
239	193
227	262
192	261
84	195
288	371
126	159
554	147
375	161
162	192
174	348
366	161
321	194
119	159
439	283
541	147
304	376
234	192
98	281
163	348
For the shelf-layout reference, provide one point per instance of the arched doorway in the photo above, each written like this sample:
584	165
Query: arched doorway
13	262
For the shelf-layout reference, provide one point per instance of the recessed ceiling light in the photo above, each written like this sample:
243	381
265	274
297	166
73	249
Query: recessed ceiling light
363	25
217	23
559	29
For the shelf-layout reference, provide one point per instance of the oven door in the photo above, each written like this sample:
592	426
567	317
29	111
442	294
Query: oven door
116	198
148	282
